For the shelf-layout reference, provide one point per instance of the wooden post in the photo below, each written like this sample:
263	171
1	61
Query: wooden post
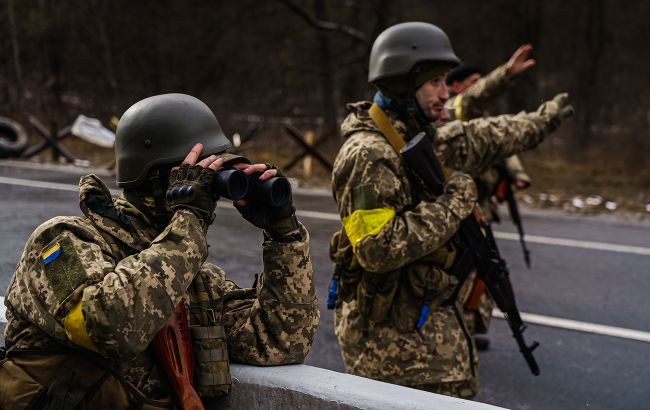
307	162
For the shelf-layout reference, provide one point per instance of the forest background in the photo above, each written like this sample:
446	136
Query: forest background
261	63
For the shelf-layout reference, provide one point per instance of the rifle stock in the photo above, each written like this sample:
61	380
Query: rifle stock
478	242
173	348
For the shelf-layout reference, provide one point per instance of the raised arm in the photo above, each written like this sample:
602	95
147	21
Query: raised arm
475	145
474	101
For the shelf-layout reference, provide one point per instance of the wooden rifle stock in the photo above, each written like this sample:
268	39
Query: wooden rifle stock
474	299
173	348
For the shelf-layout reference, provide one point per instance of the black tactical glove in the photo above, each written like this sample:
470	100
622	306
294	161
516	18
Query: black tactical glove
275	221
556	111
189	188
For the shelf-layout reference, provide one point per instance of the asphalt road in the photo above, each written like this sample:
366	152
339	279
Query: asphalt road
579	369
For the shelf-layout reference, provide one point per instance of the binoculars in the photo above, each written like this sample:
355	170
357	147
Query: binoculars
235	185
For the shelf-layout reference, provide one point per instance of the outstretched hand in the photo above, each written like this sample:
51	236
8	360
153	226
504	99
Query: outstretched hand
519	62
556	110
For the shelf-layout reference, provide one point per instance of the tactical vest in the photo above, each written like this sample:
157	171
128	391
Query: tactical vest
404	296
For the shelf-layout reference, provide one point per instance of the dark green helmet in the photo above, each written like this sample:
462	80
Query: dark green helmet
161	130
405	47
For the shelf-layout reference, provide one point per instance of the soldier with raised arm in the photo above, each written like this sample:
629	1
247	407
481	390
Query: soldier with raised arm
395	317
471	95
91	292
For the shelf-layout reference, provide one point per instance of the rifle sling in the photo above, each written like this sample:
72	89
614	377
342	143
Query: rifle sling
390	133
383	123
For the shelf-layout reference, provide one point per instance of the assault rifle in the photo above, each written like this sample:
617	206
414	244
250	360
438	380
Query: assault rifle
505	193
477	245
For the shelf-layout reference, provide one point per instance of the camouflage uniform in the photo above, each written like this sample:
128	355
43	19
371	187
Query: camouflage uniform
471	104
127	277
405	254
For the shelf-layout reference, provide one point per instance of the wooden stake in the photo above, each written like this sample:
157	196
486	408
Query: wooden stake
307	162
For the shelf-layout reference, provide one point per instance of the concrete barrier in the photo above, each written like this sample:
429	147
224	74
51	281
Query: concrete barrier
306	387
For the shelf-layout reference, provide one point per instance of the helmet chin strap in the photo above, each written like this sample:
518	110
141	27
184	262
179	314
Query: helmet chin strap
159	214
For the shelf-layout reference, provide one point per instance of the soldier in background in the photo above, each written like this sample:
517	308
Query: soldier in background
471	94
393	252
90	293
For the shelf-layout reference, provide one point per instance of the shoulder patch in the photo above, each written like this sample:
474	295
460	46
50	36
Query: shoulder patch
51	253
63	267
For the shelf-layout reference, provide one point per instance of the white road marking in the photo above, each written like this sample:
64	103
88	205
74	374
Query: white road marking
46	185
585	327
544	240
572	243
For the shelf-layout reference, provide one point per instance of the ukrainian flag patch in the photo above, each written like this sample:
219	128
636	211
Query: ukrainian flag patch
52	253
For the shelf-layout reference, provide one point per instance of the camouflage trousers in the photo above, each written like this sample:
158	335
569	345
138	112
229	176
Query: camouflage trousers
439	356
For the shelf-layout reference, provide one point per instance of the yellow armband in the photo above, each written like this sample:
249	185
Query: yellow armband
75	328
366	222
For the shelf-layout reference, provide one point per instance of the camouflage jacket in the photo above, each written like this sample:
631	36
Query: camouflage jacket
403	240
127	279
472	104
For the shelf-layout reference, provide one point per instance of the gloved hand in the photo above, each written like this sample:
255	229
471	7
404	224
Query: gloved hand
189	188
556	111
461	194
275	221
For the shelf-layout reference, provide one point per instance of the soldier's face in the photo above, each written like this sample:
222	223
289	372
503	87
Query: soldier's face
431	97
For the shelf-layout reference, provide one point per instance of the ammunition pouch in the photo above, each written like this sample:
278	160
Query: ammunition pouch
212	369
398	295
212	374
422	285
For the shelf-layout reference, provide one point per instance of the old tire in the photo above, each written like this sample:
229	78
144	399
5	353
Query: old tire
13	138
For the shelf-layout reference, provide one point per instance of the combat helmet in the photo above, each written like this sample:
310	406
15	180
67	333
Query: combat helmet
403	51
161	130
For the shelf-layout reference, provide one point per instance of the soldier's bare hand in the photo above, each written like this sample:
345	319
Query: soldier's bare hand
212	162
519	62
193	155
253	168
